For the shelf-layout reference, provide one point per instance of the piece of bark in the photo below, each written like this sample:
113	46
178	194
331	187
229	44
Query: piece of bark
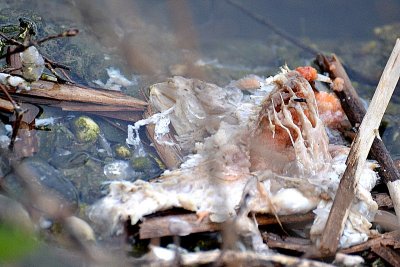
115	112
162	225
101	102
80	94
358	154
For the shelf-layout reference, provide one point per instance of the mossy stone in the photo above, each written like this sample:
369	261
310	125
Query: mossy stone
142	164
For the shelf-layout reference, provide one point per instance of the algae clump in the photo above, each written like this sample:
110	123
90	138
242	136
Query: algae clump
86	130
122	151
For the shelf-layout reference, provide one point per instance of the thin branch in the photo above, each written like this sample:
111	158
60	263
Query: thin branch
67	33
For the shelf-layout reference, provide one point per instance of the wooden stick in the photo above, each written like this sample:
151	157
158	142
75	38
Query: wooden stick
355	112
359	152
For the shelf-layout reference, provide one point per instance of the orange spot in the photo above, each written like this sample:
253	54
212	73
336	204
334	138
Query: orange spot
330	109
308	72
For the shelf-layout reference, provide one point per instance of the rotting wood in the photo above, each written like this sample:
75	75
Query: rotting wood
388	254
160	226
359	152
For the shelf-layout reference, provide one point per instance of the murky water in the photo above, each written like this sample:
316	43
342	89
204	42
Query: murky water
215	41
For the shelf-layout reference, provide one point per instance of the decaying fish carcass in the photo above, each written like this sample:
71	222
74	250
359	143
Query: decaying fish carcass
269	143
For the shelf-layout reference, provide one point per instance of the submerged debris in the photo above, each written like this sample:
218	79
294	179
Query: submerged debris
115	81
230	138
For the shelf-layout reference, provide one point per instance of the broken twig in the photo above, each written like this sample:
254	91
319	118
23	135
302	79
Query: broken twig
359	152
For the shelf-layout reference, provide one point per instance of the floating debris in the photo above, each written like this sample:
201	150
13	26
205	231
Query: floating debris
115	81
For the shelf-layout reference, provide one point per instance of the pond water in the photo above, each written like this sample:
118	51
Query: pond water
216	41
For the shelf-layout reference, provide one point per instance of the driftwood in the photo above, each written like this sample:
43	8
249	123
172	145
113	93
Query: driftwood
388	254
160	226
73	93
68	97
359	152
